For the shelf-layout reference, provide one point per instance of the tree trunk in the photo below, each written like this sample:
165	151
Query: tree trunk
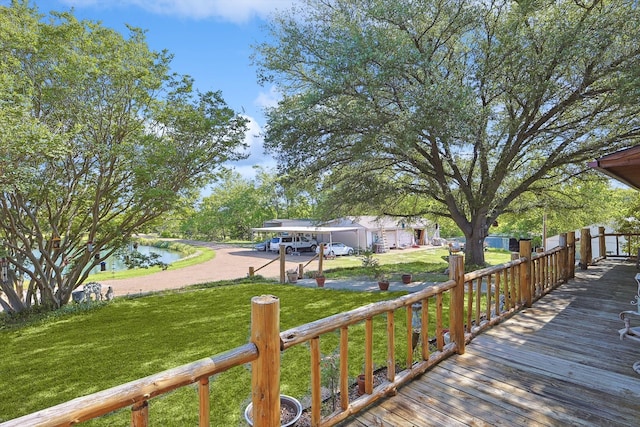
474	246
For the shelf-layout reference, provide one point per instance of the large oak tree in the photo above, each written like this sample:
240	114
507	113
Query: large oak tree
98	138
480	106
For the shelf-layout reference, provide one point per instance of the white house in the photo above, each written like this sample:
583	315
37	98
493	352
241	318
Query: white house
363	232
379	233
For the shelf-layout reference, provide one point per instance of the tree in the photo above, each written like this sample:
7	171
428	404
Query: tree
474	105
113	141
237	204
570	206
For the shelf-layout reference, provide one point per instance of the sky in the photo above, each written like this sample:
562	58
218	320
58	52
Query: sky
211	41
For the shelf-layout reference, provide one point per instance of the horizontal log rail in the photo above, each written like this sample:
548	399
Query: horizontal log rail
474	301
630	240
252	271
137	393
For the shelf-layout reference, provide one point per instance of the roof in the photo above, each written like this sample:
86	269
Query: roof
302	229
623	166
371	222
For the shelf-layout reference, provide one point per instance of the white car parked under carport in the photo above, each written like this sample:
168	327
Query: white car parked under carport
336	249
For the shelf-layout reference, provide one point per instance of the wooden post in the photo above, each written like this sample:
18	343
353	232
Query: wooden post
252	271
585	248
391	341
456	311
601	243
525	273
283	259
140	414
344	367
571	254
265	371
564	268
203	394
316	387
300	271
321	259
368	356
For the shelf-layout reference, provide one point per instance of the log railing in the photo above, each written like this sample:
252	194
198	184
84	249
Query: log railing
474	302
602	241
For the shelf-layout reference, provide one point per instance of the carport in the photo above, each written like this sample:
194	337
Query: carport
308	231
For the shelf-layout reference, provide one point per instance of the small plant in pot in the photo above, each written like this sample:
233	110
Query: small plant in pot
383	281
292	275
320	279
373	266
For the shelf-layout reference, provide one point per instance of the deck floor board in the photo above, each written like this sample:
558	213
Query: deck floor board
560	362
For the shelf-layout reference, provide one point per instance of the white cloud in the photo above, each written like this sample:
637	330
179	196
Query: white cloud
255	148
230	10
268	99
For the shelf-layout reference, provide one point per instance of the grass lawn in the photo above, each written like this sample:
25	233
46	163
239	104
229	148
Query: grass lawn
77	352
425	265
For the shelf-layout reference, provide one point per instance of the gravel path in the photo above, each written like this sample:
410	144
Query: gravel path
230	262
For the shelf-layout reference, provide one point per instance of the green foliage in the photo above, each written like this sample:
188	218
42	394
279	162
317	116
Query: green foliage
101	140
236	205
457	109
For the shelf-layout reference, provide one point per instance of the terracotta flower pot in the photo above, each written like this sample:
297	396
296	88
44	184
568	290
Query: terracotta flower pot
360	384
406	279
383	285
320	281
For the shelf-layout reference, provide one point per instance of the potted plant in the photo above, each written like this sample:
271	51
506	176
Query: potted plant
290	411
292	275
361	388
373	266
383	281
406	278
320	279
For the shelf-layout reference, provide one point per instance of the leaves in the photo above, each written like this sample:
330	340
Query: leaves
100	140
465	105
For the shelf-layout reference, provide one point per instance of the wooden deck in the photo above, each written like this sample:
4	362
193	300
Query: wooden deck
559	363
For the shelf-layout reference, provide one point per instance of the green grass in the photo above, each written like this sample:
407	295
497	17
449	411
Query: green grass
46	363
425	265
78	351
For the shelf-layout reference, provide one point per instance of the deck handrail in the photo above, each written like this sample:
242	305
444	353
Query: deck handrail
137	392
507	288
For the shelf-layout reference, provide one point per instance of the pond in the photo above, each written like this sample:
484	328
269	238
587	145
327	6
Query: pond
113	264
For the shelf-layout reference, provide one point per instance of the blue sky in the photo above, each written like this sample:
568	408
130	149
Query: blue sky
210	40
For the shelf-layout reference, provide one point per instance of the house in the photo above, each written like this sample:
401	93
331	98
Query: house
380	233
363	232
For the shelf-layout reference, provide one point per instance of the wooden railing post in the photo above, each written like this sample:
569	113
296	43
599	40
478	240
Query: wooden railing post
140	414
525	273
252	271
203	394
571	254
564	268
283	259
456	311
585	248
601	243
265	371
321	259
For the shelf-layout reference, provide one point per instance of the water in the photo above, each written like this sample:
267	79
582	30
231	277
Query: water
113	264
